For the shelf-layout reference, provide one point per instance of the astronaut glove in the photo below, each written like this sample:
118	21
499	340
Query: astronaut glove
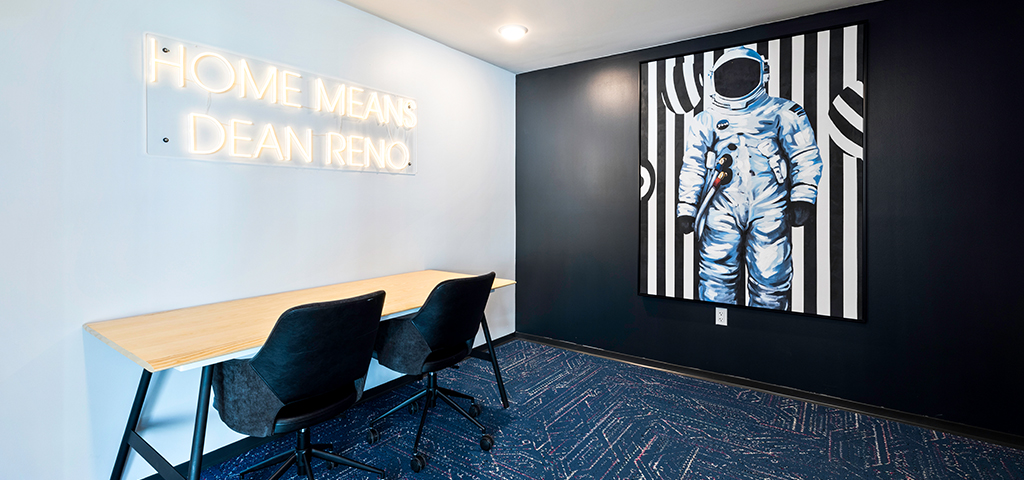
800	213
685	223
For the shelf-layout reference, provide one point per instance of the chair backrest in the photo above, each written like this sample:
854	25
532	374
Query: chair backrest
453	310
319	347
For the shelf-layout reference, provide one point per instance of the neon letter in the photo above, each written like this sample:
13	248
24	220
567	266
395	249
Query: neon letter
410	112
374	106
154	62
304	152
352	142
268	139
374	152
405	156
285	88
195	72
352	103
322	97
193	141
392	108
233	138
247	79
331	151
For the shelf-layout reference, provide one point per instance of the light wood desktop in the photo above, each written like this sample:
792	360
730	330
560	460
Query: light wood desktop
208	334
187	336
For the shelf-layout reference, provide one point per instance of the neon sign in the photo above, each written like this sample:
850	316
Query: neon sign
202	103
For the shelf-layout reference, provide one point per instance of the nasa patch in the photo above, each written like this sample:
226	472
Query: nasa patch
722	124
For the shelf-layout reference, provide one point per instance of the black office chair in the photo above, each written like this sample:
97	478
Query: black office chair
436	337
311	368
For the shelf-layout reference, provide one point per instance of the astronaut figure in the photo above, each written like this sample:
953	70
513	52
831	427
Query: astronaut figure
750	172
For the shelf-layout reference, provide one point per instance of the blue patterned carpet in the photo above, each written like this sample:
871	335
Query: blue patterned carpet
575	416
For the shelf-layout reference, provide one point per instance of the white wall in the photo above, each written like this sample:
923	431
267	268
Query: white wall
92	228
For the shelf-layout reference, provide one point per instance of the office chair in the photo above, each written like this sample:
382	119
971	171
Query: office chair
312	367
436	337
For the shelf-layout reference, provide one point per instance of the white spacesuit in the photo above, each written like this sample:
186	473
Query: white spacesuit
750	172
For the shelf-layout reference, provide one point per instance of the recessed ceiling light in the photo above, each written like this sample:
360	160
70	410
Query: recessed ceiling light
512	32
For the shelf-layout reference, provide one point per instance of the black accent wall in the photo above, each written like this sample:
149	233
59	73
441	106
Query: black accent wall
944	308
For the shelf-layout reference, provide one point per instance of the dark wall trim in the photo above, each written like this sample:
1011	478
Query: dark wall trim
982	434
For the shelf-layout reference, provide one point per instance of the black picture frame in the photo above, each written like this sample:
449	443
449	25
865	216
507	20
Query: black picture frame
824	73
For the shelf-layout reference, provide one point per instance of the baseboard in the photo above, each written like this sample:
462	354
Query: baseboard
977	433
235	449
499	341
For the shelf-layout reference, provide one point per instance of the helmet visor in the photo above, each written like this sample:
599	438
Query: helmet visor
738	77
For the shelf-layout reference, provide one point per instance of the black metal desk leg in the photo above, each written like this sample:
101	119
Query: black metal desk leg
195	465
494	363
133	421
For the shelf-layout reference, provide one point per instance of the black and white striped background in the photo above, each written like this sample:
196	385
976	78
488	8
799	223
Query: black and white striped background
824	73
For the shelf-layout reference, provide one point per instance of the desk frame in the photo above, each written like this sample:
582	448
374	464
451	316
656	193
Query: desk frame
493	358
132	440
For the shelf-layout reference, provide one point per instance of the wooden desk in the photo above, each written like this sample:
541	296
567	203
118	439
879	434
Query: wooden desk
205	335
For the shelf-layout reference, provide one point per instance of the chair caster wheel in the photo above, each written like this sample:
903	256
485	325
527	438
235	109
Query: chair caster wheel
486	442
417	463
474	410
414	407
372	436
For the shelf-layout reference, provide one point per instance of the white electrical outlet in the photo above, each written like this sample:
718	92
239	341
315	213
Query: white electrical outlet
721	316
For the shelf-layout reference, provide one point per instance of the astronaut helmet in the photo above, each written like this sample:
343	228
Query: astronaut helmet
739	77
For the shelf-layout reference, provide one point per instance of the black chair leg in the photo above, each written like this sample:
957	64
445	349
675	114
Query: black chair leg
305	465
308	462
462	412
284	468
302	466
423	419
302	458
270	461
453	393
400	406
330	457
432	392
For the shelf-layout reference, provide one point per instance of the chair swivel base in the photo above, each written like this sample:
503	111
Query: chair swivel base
302	456
432	392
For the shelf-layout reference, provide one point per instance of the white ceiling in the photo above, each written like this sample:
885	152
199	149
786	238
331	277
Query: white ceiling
567	31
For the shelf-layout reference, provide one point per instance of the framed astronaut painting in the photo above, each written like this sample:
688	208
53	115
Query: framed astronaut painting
752	174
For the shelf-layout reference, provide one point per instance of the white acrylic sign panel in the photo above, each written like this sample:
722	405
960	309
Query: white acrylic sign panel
208	104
